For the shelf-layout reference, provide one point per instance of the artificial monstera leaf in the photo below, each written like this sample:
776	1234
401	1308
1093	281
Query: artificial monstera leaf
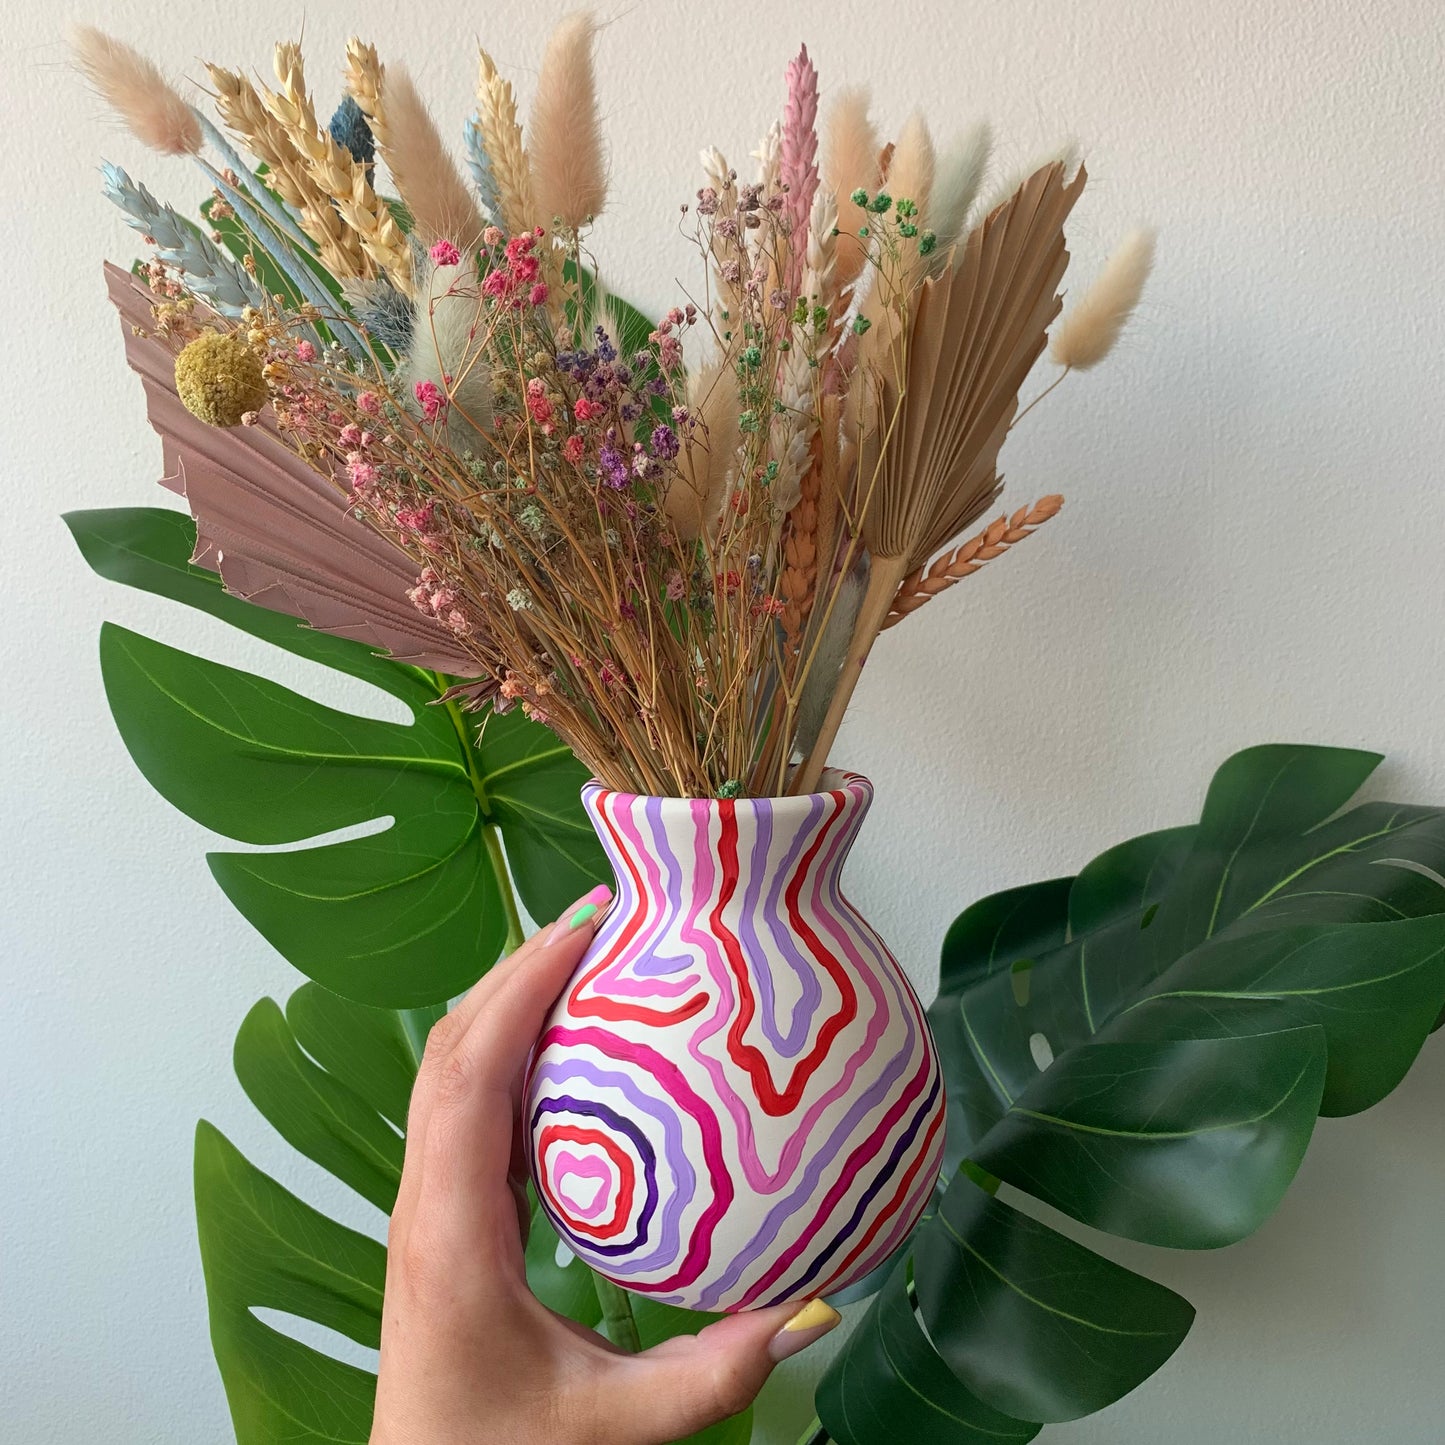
1146	1047
334	1078
402	917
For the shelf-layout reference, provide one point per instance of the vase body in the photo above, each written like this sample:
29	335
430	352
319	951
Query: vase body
736	1101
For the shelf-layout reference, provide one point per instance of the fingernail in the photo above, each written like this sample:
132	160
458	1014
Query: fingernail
581	913
811	1323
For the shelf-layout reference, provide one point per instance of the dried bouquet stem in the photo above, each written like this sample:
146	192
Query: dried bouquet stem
883	581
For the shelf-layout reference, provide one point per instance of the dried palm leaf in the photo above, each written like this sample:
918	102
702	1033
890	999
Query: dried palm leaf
277	531
947	391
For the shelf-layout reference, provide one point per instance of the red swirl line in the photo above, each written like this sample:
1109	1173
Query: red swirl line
675	1086
892	1213
571	1134
609	1009
754	1061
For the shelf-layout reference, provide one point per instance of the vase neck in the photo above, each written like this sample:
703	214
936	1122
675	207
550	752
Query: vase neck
675	845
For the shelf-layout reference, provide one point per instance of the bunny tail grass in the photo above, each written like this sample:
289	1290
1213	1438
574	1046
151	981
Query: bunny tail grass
426	176
1088	333
564	136
956	186
156	113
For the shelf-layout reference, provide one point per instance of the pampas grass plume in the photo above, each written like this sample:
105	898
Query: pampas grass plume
156	113
564	137
1088	333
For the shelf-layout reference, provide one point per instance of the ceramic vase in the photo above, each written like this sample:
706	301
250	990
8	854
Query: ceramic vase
736	1102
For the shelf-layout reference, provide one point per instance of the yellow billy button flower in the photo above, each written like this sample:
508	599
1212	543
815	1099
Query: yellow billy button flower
219	379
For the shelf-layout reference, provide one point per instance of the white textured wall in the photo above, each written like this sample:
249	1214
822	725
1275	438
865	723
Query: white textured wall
1251	552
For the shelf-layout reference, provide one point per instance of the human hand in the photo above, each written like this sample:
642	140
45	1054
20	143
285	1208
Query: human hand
469	1355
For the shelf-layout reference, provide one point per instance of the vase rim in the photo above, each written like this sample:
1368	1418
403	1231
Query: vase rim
834	783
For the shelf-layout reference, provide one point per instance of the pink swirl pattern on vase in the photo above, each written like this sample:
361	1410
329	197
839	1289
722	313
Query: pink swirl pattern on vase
736	1101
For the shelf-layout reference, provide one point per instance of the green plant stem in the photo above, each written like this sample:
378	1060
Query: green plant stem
492	836
815	1434
618	1323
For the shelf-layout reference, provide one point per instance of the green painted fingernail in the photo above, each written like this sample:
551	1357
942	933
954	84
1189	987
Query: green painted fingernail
587	910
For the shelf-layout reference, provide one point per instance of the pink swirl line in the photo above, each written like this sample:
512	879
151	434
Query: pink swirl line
671	1077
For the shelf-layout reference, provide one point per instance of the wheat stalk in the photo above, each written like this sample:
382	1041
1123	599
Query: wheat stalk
995	539
246	113
374	240
497	114
364	72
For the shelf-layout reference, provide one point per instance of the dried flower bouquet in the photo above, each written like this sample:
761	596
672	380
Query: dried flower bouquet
674	544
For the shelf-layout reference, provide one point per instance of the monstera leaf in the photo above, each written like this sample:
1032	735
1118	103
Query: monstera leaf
402	917
1145	1047
334	1078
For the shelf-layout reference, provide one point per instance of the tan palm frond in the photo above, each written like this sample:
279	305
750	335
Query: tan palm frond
947	389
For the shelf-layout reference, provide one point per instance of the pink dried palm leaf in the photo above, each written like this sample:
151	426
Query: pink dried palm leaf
278	531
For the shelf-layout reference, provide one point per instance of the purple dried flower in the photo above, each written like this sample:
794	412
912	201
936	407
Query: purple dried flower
613	467
664	443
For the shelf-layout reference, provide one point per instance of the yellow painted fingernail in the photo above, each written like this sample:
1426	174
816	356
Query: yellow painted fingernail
816	1312
810	1323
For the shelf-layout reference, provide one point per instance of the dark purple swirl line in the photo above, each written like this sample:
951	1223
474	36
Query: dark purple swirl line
856	1121
884	1177
669	1249
592	1109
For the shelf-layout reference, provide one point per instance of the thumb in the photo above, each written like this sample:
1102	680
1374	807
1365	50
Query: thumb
693	1381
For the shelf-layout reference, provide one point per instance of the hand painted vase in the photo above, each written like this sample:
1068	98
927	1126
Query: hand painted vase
736	1102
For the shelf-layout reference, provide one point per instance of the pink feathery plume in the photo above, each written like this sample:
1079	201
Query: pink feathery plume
798	159
277	531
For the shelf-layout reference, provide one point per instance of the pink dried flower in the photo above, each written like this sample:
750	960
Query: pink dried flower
491	236
585	410
369	403
538	294
360	471
572	448
305	351
444	253
433	400
416	519
676	587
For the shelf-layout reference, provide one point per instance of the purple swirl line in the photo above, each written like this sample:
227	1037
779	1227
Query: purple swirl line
556	1073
